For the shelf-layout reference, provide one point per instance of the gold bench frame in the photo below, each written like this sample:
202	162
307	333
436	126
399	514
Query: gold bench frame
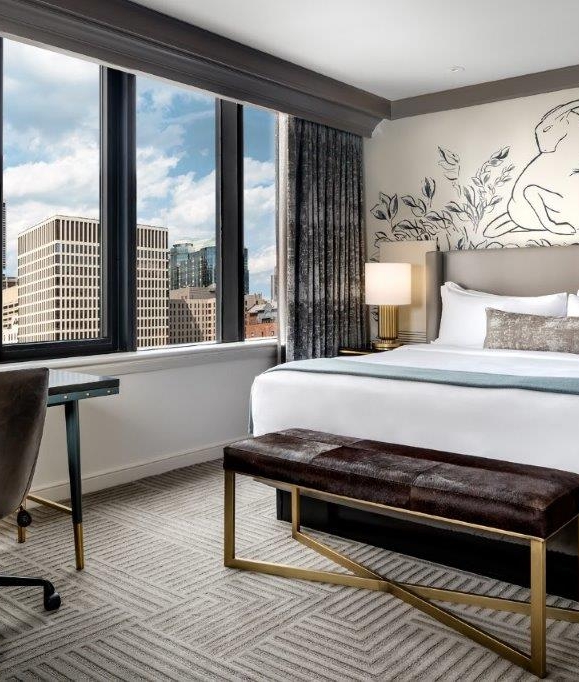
416	595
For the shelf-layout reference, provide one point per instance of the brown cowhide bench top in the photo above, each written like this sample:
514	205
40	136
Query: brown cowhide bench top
517	498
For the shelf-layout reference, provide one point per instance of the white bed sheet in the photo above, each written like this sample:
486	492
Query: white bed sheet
512	424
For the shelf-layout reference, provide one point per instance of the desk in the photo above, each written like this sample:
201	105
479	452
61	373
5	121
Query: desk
68	388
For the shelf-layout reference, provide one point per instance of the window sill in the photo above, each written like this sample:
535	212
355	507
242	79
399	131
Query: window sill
157	359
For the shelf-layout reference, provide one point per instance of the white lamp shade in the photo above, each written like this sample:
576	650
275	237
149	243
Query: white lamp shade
388	283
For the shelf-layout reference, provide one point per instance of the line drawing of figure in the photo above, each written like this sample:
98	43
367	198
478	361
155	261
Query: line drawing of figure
545	196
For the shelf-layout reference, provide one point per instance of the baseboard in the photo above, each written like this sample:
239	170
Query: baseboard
113	477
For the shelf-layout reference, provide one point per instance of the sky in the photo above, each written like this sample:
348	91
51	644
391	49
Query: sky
51	155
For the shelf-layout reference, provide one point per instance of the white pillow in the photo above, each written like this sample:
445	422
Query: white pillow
464	321
573	305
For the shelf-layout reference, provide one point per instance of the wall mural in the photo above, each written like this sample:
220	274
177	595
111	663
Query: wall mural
496	203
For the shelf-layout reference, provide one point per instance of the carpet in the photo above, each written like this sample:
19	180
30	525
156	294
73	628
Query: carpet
155	602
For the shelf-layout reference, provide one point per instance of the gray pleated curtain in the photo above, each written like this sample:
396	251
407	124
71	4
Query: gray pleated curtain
325	241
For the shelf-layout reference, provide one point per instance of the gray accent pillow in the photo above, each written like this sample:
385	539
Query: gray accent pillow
518	331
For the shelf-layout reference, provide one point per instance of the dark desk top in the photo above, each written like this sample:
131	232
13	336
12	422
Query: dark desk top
63	382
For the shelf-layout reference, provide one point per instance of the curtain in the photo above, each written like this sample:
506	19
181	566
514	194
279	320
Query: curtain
325	244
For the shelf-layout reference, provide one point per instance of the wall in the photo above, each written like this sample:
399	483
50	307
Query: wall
173	410
481	177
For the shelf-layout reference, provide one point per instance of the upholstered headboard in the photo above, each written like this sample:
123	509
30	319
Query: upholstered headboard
529	271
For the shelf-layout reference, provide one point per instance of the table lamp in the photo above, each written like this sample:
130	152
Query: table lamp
388	285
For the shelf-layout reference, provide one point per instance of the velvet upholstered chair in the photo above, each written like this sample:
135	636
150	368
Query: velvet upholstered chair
23	396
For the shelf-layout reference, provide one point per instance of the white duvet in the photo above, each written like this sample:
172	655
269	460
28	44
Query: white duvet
512	424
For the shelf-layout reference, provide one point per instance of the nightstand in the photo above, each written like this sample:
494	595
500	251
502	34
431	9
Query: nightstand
359	350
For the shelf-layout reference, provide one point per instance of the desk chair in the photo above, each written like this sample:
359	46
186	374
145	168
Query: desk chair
23	396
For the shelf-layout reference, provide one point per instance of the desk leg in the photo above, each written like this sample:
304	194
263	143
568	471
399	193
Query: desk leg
71	414
22	529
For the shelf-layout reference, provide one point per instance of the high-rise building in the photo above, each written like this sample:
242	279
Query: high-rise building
245	272
3	240
10	315
59	276
59	280
192	314
152	286
192	267
203	267
181	264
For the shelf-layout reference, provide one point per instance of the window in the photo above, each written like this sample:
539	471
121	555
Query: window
94	262
51	255
259	195
176	259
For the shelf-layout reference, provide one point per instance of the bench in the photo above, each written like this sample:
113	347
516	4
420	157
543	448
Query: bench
526	502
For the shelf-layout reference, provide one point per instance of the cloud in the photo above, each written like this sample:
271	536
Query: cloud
187	207
263	262
47	96
257	173
185	203
166	113
52	156
158	93
45	66
259	203
73	175
153	181
36	190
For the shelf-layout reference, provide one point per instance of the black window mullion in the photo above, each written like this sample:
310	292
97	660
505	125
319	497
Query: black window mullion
119	218
112	282
230	279
3	245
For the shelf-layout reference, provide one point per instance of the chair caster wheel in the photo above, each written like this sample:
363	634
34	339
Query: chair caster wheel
52	600
23	518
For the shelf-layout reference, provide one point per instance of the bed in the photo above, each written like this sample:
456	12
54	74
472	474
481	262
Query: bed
507	423
519	425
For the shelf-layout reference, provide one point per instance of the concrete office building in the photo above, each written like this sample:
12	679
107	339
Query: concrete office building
192	315
152	286
59	273
10	315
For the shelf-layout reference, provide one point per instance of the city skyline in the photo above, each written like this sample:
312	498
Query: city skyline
57	293
187	240
51	164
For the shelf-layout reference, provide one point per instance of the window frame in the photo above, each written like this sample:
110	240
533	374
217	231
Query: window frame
109	341
230	229
118	218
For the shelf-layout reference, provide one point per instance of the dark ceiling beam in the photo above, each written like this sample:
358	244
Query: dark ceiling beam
129	36
483	93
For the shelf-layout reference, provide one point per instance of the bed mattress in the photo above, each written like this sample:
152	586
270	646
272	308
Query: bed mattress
517	425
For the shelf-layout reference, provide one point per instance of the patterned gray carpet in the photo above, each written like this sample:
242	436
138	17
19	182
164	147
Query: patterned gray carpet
155	603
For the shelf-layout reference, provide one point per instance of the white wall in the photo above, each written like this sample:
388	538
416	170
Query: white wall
407	161
402	153
172	411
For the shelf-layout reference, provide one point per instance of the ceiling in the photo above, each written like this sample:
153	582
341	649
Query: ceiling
398	48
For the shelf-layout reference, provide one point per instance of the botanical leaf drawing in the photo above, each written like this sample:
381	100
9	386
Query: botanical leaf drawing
456	223
542	198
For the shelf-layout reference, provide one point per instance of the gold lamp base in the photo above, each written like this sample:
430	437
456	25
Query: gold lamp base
385	344
387	328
